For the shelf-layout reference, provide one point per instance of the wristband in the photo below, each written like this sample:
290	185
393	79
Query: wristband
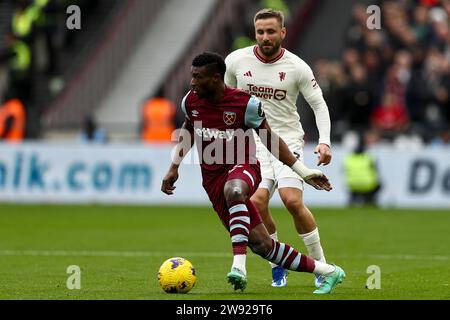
304	172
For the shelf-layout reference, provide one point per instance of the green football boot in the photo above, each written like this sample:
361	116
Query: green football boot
330	281
237	278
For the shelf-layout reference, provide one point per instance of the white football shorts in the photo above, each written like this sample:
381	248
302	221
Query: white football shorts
274	173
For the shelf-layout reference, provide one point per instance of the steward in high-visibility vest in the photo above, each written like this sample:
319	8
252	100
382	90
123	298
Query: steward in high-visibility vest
25	17
18	57
12	121
158	120
21	60
17	54
361	173
23	20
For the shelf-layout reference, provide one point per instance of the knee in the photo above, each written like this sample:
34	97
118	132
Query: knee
260	201
294	205
234	194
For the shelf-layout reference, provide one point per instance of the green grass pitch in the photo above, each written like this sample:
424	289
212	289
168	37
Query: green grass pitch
119	250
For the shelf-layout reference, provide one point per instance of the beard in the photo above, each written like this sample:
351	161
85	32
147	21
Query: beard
269	52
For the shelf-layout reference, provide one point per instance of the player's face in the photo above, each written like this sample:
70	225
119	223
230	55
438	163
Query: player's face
202	82
269	35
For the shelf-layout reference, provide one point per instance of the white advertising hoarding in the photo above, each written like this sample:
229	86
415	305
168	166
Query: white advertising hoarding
91	174
132	174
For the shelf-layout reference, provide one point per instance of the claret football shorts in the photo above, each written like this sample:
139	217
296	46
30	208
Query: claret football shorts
214	183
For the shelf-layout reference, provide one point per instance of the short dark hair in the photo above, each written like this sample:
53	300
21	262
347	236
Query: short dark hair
213	61
270	13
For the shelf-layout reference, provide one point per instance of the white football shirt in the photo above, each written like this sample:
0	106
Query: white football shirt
277	83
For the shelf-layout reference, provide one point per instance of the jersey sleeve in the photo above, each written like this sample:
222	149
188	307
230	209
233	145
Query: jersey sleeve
230	74
183	107
254	115
307	83
312	93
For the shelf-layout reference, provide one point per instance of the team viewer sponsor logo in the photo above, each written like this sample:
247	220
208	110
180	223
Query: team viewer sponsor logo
280	95
266	93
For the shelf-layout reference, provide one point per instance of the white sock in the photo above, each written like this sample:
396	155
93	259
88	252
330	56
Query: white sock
312	243
323	268
239	261
274	237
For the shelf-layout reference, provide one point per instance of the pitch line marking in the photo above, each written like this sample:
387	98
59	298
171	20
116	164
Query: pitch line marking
87	253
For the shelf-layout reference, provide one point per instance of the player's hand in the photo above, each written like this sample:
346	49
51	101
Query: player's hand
324	152
168	183
319	181
314	177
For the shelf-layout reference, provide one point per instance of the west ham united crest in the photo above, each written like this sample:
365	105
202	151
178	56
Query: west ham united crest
229	118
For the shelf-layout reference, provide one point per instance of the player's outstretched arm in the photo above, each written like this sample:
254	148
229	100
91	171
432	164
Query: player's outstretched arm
185	143
281	151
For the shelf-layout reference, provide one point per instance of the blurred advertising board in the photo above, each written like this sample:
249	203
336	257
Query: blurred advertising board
132	174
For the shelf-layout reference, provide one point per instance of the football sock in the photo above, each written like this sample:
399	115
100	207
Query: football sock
275	238
322	268
239	261
239	227
312	243
289	258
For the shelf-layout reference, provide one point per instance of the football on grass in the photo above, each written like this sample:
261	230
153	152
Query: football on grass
177	275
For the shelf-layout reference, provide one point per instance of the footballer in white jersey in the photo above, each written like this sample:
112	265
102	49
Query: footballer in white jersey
278	83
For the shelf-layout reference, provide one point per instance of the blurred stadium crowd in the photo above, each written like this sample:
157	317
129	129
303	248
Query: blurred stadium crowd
388	83
395	80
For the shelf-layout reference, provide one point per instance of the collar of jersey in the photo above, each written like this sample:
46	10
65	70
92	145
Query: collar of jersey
264	60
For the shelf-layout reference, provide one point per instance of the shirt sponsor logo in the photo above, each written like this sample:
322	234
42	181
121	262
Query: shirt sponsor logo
266	93
280	95
208	134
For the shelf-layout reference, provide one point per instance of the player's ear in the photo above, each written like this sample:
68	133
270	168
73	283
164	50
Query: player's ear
283	33
217	77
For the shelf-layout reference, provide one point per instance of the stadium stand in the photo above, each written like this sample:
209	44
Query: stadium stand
67	110
161	44
132	54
